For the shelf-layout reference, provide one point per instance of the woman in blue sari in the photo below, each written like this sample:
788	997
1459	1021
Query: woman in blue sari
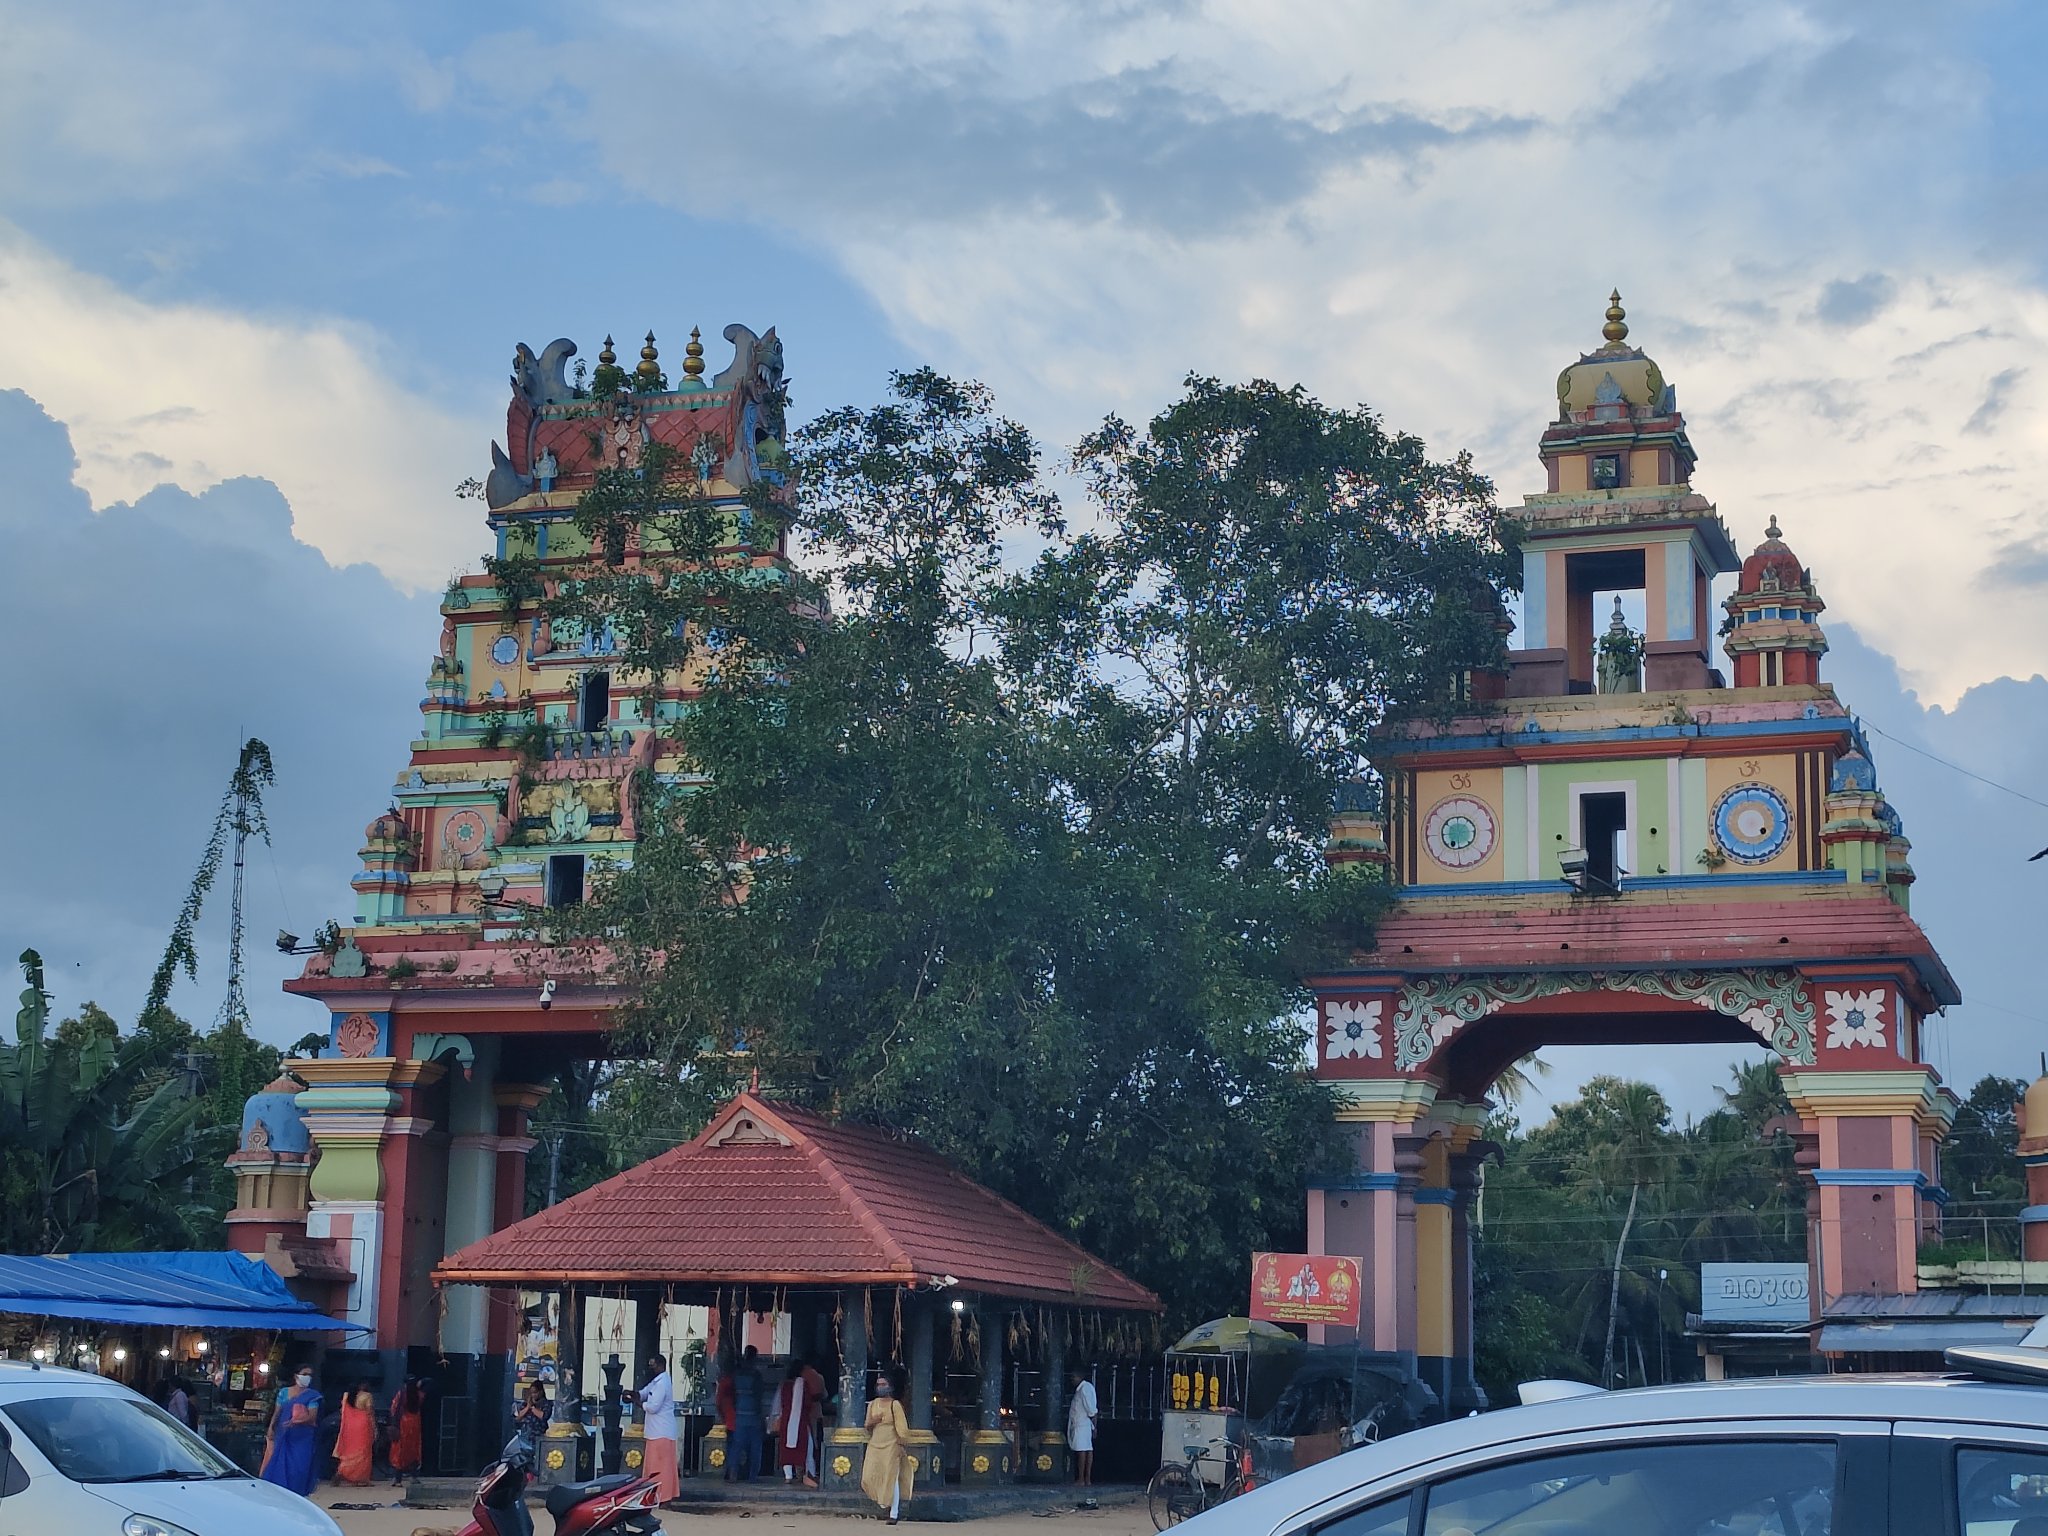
288	1457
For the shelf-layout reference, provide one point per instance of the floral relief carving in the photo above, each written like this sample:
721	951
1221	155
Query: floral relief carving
1855	1018
1354	1029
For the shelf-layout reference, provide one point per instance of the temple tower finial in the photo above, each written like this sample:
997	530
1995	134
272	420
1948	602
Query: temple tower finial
607	358
650	366
1616	328
693	355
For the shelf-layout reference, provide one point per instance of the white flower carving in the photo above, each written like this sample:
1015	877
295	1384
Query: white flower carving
1855	1018
1354	1029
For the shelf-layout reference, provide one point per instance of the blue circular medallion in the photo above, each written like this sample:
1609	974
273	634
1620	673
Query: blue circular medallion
1752	823
504	650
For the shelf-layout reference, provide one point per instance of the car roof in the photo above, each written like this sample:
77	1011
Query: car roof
1953	1398
23	1379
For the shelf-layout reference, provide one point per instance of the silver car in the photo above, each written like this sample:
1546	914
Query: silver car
1950	1455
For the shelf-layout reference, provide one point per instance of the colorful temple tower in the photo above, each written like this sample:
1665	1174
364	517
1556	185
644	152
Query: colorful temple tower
449	1011
1621	847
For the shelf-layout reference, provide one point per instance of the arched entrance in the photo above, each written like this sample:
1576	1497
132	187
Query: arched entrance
1412	1059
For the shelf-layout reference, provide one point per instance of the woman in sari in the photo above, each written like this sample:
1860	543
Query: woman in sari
406	1408
356	1443
889	1469
288	1459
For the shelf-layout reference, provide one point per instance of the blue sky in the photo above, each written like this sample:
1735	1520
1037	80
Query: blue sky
261	271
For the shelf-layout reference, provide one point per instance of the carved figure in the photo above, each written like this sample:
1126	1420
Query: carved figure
505	484
544	380
545	469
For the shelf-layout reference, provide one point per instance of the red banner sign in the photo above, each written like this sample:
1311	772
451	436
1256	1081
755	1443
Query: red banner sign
1305	1288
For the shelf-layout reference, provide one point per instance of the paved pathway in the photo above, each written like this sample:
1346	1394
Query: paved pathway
392	1519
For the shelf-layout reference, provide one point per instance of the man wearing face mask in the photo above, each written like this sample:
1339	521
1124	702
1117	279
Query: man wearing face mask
288	1450
657	1399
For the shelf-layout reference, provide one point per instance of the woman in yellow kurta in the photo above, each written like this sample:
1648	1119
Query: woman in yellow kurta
889	1468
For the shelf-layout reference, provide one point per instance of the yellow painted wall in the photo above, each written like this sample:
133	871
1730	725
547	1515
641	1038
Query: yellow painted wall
1781	772
1481	784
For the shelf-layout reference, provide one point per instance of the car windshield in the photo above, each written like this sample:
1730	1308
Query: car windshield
100	1438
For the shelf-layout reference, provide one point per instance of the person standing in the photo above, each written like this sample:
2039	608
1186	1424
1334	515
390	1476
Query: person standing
889	1471
294	1430
1082	1411
794	1414
530	1423
746	1412
356	1442
814	1409
657	1400
178	1404
407	1409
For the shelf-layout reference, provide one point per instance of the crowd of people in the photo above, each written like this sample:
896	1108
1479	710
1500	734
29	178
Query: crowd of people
297	1432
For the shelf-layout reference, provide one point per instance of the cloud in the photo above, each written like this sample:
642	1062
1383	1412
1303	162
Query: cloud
1997	396
1847	301
196	394
163	633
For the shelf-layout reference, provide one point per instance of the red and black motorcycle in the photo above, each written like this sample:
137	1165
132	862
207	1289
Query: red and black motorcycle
620	1505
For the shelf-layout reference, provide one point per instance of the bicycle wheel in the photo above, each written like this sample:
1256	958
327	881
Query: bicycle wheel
1173	1495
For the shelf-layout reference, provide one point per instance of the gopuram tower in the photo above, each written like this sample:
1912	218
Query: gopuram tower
1623	846
447	1009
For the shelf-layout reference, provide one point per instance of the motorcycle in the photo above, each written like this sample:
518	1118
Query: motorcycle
619	1505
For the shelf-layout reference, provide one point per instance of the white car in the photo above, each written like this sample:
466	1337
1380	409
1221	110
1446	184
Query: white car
1957	1454
84	1456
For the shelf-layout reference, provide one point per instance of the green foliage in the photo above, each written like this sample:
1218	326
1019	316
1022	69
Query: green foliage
1028	865
404	968
1980	1167
90	1154
517	577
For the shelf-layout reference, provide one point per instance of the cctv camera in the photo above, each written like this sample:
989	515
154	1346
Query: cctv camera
547	993
286	942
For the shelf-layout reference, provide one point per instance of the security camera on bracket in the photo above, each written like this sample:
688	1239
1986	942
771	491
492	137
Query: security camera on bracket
547	993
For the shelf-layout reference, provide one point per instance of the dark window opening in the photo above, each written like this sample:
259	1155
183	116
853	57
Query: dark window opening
565	880
594	702
1603	819
1606	472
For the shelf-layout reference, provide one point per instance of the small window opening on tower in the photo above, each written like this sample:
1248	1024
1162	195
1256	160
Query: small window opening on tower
594	702
1603	822
1774	669
565	880
1606	471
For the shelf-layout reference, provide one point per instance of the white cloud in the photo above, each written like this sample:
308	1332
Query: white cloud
191	394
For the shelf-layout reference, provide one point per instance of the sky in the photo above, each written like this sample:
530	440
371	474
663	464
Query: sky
262	270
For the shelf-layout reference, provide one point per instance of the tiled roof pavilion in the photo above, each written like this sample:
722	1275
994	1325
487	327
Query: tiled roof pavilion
774	1195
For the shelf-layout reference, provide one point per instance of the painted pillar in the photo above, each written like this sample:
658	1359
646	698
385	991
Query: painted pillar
847	1440
515	1104
2033	1116
1362	1210
1467	1174
1049	1461
986	1456
917	1392
472	1189
1433	1280
1867	1128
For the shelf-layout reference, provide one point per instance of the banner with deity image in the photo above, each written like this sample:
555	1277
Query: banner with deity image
1305	1288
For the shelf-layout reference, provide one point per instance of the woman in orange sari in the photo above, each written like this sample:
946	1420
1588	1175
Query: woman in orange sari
358	1438
406	1409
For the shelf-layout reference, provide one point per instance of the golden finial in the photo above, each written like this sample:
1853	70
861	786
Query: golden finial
649	368
607	358
693	354
1616	328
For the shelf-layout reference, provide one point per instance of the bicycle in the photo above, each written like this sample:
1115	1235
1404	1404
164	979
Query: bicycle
1178	1491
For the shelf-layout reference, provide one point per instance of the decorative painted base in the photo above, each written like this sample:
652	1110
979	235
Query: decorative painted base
568	1454
1046	1459
712	1451
634	1438
987	1456
845	1450
931	1464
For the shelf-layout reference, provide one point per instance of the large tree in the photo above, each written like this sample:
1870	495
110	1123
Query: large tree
1027	863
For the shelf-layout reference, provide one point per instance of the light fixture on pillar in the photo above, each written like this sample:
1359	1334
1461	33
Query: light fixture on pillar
959	1305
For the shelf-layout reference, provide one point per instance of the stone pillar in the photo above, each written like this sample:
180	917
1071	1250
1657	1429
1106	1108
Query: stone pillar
845	1442
1358	1210
986	1457
1467	1174
918	1317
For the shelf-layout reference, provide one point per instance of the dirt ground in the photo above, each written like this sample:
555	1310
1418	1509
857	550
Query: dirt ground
391	1519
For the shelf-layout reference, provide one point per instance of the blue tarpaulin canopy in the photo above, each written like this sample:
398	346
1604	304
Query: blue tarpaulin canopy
167	1290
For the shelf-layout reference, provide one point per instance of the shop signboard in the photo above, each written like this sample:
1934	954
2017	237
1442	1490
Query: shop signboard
1305	1288
1754	1293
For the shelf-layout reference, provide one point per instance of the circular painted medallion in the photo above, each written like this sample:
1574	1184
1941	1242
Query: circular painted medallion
465	833
505	650
1751	823
1459	832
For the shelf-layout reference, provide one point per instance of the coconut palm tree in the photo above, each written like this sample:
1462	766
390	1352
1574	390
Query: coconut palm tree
88	1152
